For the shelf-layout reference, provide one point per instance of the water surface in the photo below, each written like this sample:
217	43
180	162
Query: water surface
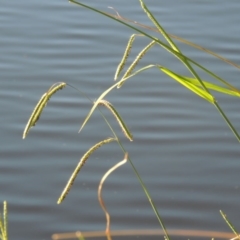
183	150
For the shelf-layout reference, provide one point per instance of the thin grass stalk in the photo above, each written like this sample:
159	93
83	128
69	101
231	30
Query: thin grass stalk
229	224
100	199
159	27
147	194
80	165
214	76
227	121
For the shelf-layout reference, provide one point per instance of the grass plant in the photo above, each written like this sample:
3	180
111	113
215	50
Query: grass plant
193	82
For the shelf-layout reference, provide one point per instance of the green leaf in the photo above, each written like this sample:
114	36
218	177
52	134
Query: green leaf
202	93
212	86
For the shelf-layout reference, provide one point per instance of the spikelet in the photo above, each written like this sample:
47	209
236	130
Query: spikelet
123	126
135	62
80	165
125	56
40	106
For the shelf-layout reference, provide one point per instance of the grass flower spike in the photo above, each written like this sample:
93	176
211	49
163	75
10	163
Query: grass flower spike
123	126
40	106
80	165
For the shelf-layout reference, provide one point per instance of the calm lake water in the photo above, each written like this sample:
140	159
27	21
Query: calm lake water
182	148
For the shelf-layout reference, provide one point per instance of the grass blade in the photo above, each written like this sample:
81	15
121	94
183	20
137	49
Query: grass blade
159	27
212	86
202	93
230	224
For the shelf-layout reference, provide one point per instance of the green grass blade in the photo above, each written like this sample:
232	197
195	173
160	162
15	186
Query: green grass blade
188	85
229	224
214	76
212	86
208	85
227	121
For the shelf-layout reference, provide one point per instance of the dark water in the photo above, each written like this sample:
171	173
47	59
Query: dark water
183	150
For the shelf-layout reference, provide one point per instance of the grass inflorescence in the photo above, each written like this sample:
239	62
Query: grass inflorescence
80	165
125	56
122	124
135	62
193	82
40	106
